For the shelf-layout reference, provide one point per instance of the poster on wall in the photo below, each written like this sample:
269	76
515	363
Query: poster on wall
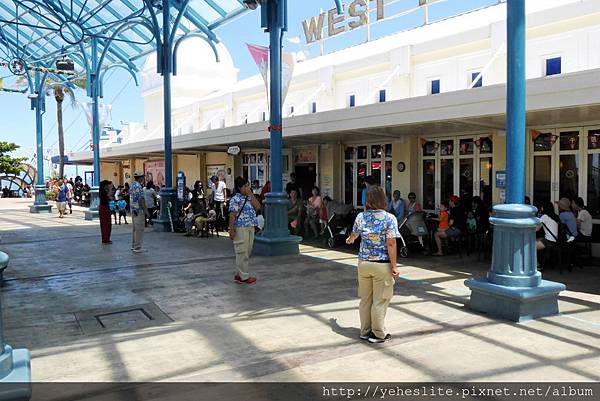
155	172
500	179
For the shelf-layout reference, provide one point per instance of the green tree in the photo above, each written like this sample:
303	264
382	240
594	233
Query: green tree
8	164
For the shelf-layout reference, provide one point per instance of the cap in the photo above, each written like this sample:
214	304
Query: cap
454	199
138	174
564	204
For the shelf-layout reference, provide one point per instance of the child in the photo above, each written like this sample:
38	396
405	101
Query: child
471	223
444	217
121	205
112	205
442	227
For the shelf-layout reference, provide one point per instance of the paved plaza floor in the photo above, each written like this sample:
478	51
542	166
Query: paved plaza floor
92	312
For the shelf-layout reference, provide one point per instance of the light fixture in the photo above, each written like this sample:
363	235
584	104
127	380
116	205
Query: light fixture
65	64
253	4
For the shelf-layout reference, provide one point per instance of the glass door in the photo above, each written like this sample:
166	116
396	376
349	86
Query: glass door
456	166
556	164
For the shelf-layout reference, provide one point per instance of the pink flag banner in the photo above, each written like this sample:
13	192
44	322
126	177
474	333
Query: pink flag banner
260	54
287	72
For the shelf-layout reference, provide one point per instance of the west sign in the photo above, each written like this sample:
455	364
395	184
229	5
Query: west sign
357	16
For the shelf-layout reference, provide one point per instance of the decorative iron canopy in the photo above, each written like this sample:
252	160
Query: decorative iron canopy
34	33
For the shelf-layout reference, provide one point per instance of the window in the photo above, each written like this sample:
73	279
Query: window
434	87
382	96
291	111
253	167
313	107
361	161
553	66
593	173
455	165
479	82
264	116
351	100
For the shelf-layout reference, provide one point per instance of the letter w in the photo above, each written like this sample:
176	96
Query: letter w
313	30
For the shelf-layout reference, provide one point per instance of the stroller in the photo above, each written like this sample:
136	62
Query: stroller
412	231
339	224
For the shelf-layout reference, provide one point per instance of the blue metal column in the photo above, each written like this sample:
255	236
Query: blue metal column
37	103
15	364
92	212
168	194
513	288
276	238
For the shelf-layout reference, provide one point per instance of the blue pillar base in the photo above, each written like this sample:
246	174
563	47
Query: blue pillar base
265	246
276	239
518	304
92	213
163	223
15	372
40	209
40	205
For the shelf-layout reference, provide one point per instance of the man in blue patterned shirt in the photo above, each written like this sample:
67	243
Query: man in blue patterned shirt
242	220
139	212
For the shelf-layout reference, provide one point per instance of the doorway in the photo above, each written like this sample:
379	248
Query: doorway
556	161
306	177
460	165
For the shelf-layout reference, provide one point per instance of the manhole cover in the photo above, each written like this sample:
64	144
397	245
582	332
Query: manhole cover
121	319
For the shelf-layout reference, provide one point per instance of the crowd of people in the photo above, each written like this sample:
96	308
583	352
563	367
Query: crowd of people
572	225
377	226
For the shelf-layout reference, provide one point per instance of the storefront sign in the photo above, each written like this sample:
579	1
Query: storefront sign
305	155
233	150
357	16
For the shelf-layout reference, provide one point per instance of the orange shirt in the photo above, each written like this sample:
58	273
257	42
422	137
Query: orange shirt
444	216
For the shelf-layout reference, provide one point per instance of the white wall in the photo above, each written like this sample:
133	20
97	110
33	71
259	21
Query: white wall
410	60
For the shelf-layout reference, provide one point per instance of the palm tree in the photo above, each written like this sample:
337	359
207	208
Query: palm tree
59	92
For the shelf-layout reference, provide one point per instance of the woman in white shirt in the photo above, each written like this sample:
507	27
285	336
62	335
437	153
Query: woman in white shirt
550	223
150	199
584	219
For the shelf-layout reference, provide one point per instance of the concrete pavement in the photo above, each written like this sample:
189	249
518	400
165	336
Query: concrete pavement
175	314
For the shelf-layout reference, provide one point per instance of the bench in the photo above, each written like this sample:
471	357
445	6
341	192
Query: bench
3	265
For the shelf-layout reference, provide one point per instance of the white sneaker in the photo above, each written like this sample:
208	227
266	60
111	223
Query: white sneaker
141	250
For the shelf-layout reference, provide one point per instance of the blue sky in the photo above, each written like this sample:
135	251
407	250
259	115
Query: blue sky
18	122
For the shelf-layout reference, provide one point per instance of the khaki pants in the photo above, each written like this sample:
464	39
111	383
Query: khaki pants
375	289
243	243
138	223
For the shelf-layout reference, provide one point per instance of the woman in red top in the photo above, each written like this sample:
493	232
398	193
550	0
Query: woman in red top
265	190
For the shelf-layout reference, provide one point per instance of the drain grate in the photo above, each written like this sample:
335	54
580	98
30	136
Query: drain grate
121	319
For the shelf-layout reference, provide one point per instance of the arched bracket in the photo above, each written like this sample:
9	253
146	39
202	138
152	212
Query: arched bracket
122	66
120	29
188	36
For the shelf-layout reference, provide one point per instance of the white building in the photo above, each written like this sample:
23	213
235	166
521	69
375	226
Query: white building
421	110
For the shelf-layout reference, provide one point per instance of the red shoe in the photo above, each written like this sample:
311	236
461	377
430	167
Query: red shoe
249	280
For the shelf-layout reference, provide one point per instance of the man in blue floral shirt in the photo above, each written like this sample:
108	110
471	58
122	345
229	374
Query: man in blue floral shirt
242	220
377	268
